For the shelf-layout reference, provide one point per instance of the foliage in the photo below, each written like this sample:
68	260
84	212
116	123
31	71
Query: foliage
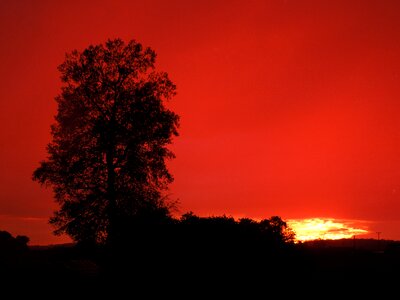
223	229
8	243
107	158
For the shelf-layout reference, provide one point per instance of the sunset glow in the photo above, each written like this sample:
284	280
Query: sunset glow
288	108
325	229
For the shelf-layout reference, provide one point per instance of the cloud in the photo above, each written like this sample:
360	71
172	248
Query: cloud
22	218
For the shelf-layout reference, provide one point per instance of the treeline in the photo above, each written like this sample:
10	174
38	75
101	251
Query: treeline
158	248
213	231
220	247
148	228
9	244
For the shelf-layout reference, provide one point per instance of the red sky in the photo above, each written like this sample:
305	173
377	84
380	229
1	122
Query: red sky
288	108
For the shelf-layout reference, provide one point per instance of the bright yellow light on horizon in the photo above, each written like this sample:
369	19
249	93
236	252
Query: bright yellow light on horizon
325	229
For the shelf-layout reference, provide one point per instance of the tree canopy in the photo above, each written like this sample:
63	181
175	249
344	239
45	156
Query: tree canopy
107	159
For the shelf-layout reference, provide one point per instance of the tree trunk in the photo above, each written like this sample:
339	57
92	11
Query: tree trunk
111	195
111	198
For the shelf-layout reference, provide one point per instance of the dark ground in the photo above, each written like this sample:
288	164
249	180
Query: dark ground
318	270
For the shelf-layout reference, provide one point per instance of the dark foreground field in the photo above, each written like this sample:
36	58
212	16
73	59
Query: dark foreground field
319	270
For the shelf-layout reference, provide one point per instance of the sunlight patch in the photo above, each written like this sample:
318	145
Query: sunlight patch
326	229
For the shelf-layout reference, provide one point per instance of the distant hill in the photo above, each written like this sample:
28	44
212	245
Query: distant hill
357	244
51	246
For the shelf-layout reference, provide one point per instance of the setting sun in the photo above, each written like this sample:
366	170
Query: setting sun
326	229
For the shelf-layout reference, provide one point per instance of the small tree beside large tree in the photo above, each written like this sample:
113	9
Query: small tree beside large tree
107	158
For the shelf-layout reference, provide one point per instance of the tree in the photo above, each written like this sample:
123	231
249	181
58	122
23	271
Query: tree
8	243
107	158
277	230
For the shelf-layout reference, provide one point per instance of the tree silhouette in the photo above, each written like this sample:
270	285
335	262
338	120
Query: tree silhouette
11	244
107	158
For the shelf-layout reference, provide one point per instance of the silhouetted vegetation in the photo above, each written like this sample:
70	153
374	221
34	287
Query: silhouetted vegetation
200	252
107	158
158	251
204	256
10	244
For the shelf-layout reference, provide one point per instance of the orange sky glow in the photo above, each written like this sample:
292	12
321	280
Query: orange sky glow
288	107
